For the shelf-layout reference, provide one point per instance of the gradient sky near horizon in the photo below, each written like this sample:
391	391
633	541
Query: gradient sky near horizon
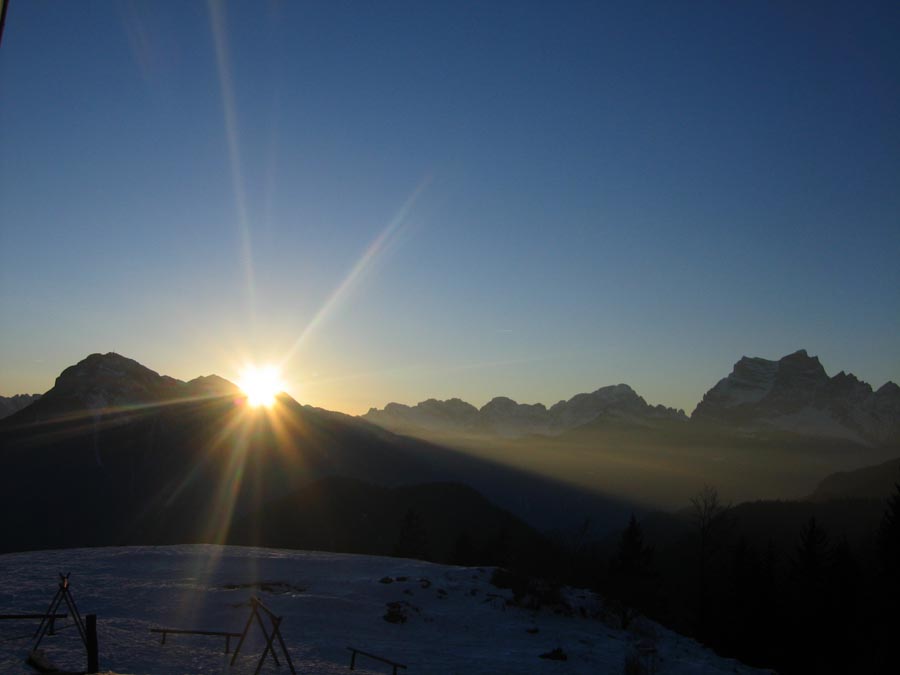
408	200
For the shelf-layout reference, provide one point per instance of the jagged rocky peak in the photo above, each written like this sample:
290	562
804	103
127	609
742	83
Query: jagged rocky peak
753	379
432	413
801	367
505	417
887	402
795	394
15	403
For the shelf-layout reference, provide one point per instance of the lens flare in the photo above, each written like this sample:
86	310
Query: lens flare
261	384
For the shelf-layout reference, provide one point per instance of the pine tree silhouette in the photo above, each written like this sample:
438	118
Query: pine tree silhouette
712	520
889	538
843	610
809	606
771	607
741	612
813	555
632	556
633	585
887	615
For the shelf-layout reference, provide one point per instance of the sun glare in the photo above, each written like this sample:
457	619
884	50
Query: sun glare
261	384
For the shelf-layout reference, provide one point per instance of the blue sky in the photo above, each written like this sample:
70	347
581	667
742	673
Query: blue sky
406	200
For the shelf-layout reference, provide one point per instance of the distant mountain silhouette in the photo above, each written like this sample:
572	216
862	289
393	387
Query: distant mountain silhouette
115	453
791	396
870	482
794	394
106	382
12	404
503	416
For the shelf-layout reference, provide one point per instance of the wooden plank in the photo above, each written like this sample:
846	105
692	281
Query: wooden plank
185	631
356	651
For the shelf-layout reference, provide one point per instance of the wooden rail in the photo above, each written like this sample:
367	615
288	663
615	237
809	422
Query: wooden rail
179	631
355	651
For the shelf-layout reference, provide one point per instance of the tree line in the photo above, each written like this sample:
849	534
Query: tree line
801	600
824	605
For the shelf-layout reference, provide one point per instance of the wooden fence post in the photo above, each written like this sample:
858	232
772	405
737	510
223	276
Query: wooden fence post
93	660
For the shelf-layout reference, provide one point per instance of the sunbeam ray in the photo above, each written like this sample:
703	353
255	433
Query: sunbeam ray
376	248
229	111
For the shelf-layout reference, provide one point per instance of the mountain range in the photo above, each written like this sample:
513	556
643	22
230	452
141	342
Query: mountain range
11	404
505	417
180	459
792	395
114	431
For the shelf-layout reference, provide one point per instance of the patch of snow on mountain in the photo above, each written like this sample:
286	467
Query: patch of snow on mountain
813	422
750	381
455	621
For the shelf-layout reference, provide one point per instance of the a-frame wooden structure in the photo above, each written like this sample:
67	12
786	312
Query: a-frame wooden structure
63	593
261	614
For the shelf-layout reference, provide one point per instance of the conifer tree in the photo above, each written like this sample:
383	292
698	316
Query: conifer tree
888	542
813	555
712	519
843	609
889	539
632	581
741	609
809	606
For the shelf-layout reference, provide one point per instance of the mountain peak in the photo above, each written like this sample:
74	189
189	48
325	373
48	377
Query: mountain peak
212	385
801	360
888	389
100	380
795	394
103	381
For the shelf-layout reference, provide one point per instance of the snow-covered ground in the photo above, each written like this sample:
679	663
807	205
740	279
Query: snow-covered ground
456	621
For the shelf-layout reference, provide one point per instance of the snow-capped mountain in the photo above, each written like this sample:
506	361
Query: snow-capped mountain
105	381
794	394
437	619
505	417
12	404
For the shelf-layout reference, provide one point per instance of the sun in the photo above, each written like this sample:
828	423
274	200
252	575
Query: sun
261	384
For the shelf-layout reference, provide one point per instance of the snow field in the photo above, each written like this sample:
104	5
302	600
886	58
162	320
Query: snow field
449	619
